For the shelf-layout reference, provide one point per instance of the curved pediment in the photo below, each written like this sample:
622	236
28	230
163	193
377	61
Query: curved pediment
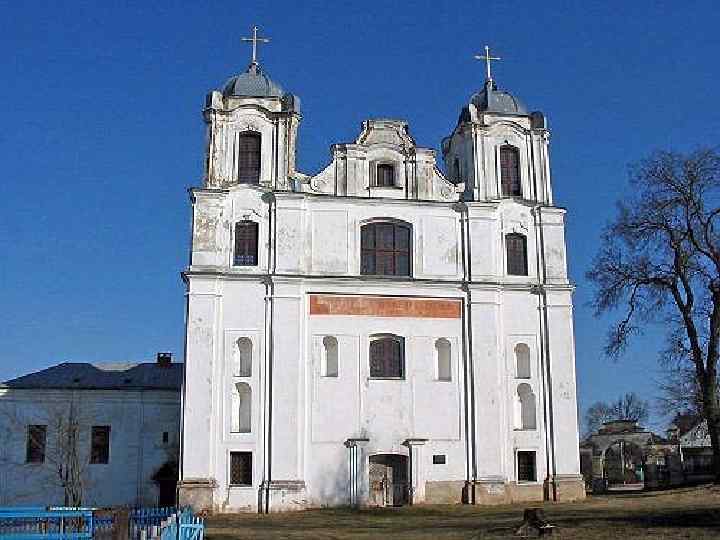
393	133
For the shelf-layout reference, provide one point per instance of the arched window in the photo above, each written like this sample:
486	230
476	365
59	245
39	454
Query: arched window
522	361
330	367
242	408
248	159
385	249
510	171
516	246
442	353
384	175
243	358
387	357
246	243
526	414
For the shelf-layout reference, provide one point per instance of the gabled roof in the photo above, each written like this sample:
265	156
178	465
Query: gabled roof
115	376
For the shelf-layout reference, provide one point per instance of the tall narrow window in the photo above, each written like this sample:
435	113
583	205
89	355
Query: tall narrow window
249	158
240	468
36	442
384	175
526	400
442	353
516	246
456	169
385	249
100	444
246	243
522	361
330	346
243	358
242	408
387	357
510	171
526	466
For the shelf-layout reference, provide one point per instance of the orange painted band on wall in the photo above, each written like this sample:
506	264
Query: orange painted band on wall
384	306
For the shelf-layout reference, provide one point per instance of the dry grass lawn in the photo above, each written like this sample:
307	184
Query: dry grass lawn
680	513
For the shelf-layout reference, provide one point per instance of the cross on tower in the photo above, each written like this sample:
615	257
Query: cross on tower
487	59
255	40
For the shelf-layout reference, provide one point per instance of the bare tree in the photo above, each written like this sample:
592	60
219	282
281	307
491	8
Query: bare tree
630	407
596	415
64	461
660	262
626	407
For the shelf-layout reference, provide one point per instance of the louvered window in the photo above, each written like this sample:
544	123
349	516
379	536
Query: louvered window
385	249
516	247
387	357
385	175
249	158
510	171
246	243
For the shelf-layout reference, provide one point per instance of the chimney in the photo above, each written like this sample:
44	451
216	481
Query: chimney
164	359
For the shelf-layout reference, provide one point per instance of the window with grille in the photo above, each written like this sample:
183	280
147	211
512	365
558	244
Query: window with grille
249	158
36	441
510	171
526	466
385	249
246	243
385	175
241	468
387	357
100	444
516	247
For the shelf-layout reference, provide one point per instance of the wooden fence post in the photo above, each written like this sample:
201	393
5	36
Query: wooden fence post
122	523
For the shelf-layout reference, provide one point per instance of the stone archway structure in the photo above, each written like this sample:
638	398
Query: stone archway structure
616	455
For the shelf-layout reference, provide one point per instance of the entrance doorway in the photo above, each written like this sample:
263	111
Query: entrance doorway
624	465
388	480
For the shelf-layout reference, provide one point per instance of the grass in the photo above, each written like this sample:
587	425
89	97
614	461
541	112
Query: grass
679	513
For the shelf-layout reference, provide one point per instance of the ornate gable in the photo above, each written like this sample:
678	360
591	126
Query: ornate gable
387	132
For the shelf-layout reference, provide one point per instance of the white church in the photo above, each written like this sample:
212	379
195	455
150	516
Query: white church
381	333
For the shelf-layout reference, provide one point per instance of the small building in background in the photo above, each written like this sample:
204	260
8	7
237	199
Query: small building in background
691	433
91	434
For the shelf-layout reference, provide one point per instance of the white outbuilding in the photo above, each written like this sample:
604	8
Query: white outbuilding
81	434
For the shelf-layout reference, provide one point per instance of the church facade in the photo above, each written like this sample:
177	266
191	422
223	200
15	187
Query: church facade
383	332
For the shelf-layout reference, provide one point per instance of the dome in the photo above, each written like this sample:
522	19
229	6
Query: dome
252	83
491	99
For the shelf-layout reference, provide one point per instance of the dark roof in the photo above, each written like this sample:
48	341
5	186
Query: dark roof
252	83
491	99
119	376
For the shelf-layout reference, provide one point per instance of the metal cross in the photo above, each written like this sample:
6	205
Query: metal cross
255	40
487	59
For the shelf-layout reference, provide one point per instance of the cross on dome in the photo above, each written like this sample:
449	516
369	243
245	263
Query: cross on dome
255	40
487	59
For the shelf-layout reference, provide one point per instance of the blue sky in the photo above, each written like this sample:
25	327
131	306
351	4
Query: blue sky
102	134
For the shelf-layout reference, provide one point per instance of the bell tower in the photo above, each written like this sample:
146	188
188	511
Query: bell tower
251	129
495	137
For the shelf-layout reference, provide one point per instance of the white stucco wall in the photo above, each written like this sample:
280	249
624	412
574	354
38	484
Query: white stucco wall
137	420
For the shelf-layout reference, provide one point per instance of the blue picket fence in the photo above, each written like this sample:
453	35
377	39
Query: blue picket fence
183	526
148	520
33	522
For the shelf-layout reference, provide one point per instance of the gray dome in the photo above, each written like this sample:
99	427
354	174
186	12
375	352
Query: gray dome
491	99
252	83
